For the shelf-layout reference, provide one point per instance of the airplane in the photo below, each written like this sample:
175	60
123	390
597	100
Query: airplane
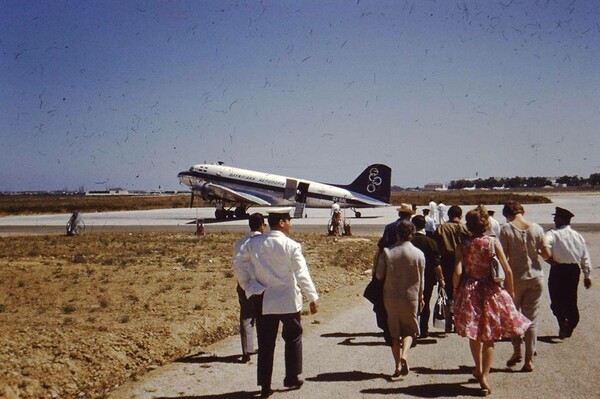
239	189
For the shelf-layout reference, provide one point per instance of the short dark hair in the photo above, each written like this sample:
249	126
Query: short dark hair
512	208
419	222
405	230
274	218
455	211
256	220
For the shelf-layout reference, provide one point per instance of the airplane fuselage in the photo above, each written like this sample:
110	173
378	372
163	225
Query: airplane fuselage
229	183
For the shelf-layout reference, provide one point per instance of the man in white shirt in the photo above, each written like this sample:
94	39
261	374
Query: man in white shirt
280	276
494	229
429	223
243	275
441	208
569	257
433	210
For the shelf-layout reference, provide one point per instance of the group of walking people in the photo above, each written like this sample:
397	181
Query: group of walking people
459	257
410	261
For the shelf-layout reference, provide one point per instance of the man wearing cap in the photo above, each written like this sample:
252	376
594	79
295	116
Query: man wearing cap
243	275
569	257
280	274
389	237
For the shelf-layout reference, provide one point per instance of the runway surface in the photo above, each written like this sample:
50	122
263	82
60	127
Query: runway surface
586	208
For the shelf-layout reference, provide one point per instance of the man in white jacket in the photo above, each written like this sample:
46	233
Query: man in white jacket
257	225
279	276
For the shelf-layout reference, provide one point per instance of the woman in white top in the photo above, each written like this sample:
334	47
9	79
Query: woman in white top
523	242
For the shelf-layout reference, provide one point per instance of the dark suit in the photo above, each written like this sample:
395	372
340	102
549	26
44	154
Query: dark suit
448	237
432	259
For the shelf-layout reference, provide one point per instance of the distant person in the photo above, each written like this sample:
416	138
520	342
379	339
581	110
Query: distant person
494	229
441	208
483	311
433	270
73	224
280	277
402	266
433	210
523	242
335	223
429	222
448	236
335	208
244	274
569	257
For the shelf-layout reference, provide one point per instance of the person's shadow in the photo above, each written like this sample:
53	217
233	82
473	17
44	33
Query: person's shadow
348	376
227	395
436	390
203	358
350	338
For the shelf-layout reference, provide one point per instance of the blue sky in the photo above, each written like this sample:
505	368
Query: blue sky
129	93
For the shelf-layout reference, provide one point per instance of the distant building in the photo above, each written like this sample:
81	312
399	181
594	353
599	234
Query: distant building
435	186
112	191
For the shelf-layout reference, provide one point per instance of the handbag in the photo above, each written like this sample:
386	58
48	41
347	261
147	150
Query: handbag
373	291
440	309
496	269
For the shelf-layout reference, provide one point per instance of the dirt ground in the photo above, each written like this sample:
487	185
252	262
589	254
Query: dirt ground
81	315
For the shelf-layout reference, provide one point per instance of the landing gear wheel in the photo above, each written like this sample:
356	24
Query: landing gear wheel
240	212
358	214
220	214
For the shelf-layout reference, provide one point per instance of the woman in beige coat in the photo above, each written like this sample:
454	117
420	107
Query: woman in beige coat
402	266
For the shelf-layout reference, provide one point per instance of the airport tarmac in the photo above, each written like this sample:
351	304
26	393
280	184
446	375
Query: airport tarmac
585	206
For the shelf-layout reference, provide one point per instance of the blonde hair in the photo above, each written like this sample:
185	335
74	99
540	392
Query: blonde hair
478	220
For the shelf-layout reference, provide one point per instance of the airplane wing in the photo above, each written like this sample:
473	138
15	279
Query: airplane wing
231	195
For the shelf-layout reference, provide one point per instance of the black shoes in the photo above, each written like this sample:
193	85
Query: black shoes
266	392
293	383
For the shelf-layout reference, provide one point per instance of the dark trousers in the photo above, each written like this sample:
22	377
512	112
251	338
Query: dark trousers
562	287
426	311
266	328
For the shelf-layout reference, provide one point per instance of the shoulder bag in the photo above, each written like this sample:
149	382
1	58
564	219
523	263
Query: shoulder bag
496	269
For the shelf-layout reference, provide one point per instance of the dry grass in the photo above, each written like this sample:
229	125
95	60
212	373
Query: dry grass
36	204
81	314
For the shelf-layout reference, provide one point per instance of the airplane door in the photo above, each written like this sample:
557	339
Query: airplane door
302	192
290	189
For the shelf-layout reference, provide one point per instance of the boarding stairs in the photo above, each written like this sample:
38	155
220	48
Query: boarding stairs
299	211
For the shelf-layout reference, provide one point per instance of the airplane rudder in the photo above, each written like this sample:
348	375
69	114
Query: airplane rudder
374	181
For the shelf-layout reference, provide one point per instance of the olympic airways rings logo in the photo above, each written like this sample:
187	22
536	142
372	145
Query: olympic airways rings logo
375	180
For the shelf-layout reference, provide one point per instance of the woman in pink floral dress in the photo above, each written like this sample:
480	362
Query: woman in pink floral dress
483	311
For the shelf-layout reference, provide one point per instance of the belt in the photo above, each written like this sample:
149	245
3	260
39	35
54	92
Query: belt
564	264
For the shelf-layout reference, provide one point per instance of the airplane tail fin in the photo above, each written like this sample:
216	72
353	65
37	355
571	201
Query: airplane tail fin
375	181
